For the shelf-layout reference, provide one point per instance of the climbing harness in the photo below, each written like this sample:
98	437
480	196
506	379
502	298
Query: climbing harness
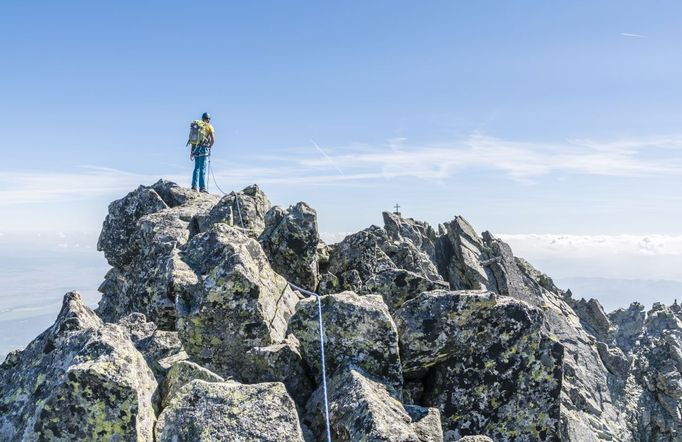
319	317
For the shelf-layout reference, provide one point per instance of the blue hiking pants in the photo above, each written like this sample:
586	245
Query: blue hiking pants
199	173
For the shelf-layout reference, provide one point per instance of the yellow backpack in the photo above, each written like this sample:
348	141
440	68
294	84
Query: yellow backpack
198	133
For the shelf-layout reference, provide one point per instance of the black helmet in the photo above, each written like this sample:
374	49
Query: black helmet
205	116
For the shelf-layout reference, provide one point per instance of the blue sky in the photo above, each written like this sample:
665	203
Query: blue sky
525	117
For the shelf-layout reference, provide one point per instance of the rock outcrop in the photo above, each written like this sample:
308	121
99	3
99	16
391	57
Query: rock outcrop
280	363
210	411
291	241
141	238
182	373
238	303
656	378
483	360
430	335
372	262
358	331
245	209
364	409
81	379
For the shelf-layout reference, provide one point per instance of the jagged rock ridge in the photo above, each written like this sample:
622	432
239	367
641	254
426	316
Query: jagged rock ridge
431	335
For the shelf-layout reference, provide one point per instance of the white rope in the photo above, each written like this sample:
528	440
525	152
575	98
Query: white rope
322	359
239	210
210	171
319	317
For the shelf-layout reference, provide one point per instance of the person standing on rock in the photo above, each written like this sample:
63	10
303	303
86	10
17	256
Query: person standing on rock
201	140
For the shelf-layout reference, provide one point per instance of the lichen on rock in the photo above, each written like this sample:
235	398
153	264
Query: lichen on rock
210	411
291	241
81	379
141	238
363	408
430	334
241	302
484	362
358	331
246	209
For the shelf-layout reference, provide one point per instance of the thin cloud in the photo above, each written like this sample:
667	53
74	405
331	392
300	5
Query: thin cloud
361	164
628	34
319	149
521	161
648	257
650	244
90	182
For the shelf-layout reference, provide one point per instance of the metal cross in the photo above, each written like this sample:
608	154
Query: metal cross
397	208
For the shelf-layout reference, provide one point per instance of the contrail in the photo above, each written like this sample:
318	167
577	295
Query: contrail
327	157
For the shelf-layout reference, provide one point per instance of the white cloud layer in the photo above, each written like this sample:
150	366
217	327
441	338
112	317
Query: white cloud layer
519	160
89	182
362	163
646	245
609	256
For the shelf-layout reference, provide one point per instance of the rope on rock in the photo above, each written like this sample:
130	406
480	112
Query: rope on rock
324	371
319	317
239	210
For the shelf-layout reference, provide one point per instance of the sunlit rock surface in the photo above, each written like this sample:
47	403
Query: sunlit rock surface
430	334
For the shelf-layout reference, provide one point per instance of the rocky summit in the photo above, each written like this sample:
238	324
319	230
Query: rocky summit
430	334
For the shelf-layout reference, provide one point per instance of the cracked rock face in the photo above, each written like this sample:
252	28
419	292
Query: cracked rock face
430	334
239	301
279	363
210	411
358	331
629	324
364	409
141	238
483	361
657	372
371	261
592	398
119	225
419	233
182	373
247	207
291	241
78	380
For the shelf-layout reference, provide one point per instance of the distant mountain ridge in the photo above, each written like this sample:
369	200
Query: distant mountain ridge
614	292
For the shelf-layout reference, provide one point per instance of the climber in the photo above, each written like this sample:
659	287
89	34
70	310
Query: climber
201	140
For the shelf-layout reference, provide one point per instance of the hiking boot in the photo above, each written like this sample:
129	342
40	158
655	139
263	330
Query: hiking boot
203	190
194	188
